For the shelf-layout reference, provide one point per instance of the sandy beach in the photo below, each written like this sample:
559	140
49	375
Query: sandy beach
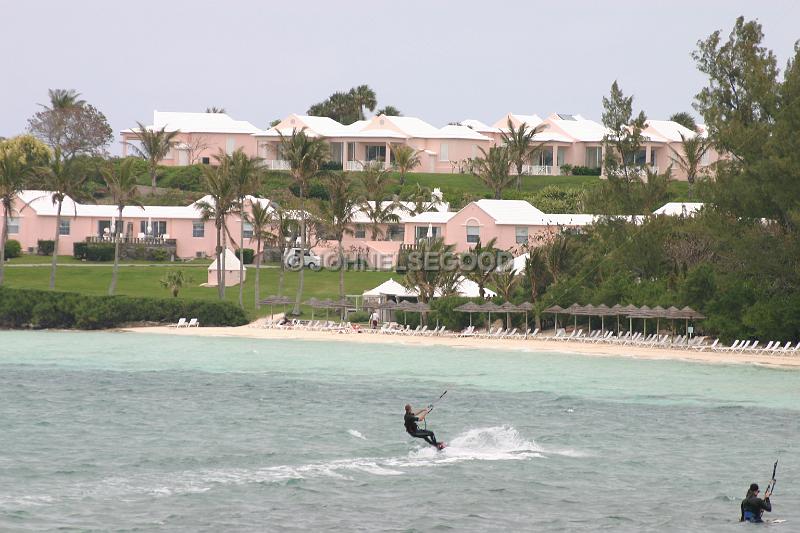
255	331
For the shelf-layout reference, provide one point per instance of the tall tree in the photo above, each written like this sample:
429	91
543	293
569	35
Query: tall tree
520	145
427	281
376	203
535	276
363	97
557	254
220	187
481	271
15	169
62	179
492	169
71	125
306	156
260	217
389	111
690	157
506	282
422	198
121	185
154	145
337	215
684	119
624	138
245	174
406	158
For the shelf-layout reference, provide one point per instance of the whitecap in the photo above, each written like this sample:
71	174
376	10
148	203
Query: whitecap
356	434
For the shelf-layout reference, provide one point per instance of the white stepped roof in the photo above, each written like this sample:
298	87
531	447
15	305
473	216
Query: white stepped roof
679	208
511	211
479	126
231	262
198	123
670	131
578	127
432	217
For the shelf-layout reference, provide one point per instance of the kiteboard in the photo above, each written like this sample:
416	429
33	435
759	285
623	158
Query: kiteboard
441	446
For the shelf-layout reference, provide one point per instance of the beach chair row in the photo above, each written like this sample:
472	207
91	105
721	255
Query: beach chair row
754	347
182	323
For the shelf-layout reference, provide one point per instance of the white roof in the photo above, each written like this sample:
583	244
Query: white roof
40	202
668	130
431	217
197	123
231	262
390	288
578	127
477	125
679	209
511	211
452	131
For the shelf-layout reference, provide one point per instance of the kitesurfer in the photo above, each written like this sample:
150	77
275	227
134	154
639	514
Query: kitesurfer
411	419
753	506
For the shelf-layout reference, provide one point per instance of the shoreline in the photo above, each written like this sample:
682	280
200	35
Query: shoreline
252	331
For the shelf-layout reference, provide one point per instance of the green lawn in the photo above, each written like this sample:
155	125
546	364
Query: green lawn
144	281
30	259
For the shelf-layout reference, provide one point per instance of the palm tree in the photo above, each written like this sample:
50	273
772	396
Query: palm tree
422	199
520	145
557	253
684	119
481	272
63	180
428	280
389	111
64	99
306	156
690	161
122	187
215	109
260	218
244	173
375	181
220	187
174	280
154	146
535	273
13	175
337	215
505	281
405	159
492	169
363	97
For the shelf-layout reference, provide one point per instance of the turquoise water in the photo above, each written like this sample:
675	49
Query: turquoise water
115	431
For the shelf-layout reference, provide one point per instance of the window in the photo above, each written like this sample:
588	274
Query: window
544	157
444	152
521	233
13	225
205	160
594	156
361	232
473	234
637	159
198	229
653	157
396	232
230	145
421	232
561	157
157	227
247	231
376	153
63	228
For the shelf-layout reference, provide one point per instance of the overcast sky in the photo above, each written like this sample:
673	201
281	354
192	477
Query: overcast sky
439	60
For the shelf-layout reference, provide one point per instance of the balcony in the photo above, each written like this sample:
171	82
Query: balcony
358	166
541	170
147	241
276	164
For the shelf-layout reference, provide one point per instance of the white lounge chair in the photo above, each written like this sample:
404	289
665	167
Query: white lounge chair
193	323
469	331
181	323
703	347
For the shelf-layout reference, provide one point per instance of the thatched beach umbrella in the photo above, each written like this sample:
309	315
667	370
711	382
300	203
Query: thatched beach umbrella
627	310
490	307
574	310
508	308
555	309
603	311
526	307
275	300
314	304
469	307
616	310
658	312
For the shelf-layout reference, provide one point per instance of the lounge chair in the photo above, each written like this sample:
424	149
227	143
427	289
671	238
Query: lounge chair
469	331
509	334
181	323
193	323
781	349
703	347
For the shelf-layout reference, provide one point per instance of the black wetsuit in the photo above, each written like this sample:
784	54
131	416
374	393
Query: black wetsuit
412	429
753	507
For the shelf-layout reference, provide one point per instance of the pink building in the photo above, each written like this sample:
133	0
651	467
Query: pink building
440	149
201	136
178	227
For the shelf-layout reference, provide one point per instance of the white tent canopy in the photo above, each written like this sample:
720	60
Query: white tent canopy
466	287
231	262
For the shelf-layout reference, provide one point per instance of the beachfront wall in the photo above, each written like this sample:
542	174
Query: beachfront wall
197	147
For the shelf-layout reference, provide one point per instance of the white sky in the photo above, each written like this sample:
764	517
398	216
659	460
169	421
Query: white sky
442	60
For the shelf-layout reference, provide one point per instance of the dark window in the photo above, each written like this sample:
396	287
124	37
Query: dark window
205	160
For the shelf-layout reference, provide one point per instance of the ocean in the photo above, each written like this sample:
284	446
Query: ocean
106	431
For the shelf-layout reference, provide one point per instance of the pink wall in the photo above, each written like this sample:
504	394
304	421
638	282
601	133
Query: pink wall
214	143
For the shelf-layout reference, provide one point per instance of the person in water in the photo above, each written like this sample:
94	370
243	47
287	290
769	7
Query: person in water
753	506
411	419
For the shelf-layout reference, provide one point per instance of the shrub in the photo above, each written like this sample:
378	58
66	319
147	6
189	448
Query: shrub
44	247
315	190
13	249
331	165
358	316
585	171
80	250
248	253
158	254
51	309
100	252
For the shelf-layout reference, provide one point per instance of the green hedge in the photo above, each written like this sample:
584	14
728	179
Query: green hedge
45	247
80	250
248	253
51	309
13	249
100	252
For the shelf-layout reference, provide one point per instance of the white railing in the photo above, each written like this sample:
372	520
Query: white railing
358	166
277	164
541	170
